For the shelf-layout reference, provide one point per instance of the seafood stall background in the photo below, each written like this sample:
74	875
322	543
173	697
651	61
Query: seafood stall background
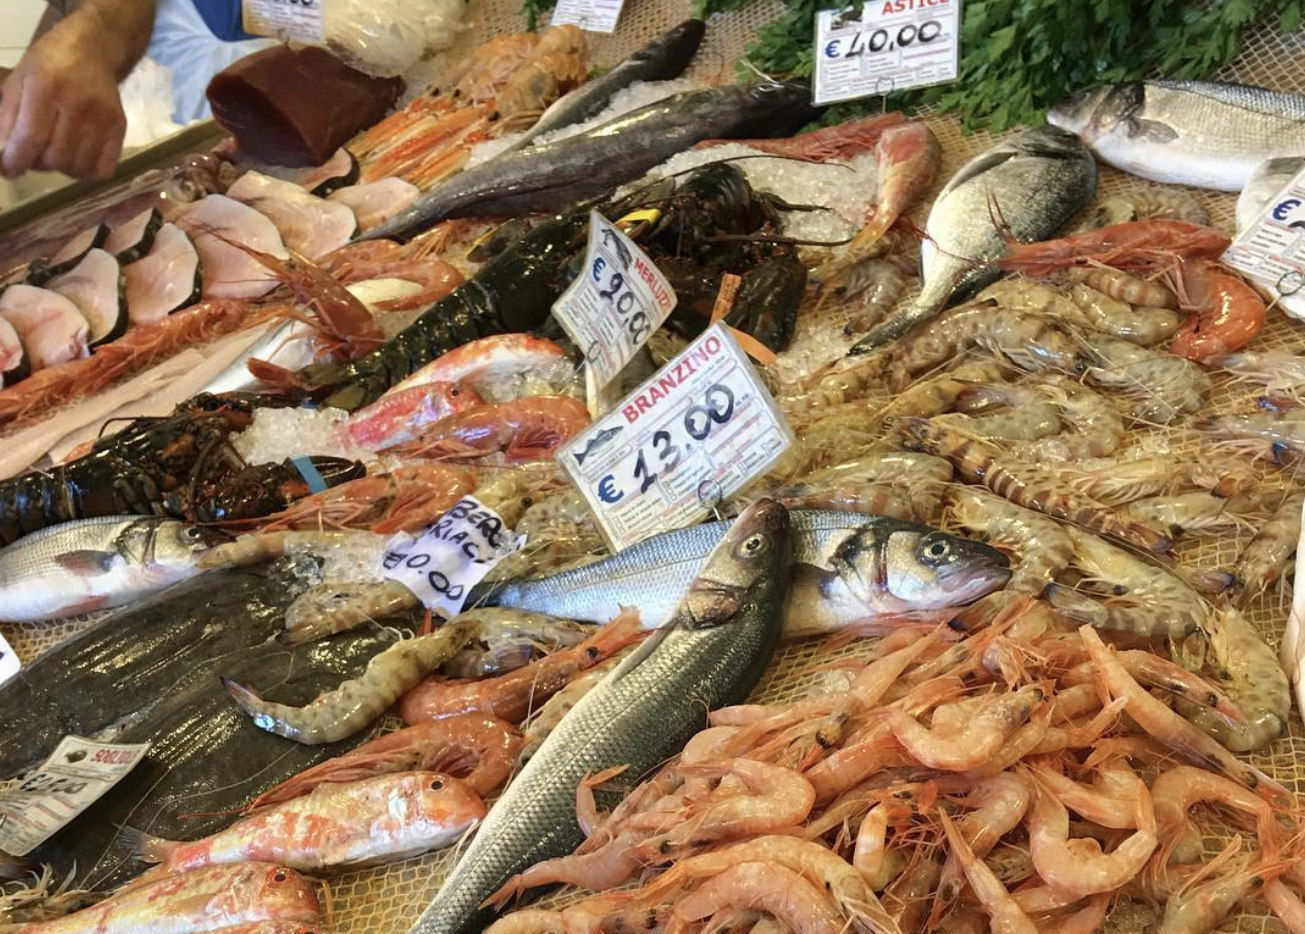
390	899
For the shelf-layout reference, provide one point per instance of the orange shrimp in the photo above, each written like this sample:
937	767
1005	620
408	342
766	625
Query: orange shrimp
1227	313
479	750
800	906
431	134
1134	244
404	499
513	695
523	429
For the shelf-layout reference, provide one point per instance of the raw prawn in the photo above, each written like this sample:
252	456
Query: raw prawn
1178	789
1146	203
523	430
1133	244
1160	386
358	702
1265	557
968	743
1227	313
1146	293
1201	513
1006	915
799	905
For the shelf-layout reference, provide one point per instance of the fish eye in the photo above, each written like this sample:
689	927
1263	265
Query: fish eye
194	534
935	552
593	652
754	545
279	876
437	784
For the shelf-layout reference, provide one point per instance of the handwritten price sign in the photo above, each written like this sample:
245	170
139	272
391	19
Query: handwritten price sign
698	431
615	306
589	15
451	556
1271	251
287	20
890	46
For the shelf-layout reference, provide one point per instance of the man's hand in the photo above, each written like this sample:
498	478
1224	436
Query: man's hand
60	109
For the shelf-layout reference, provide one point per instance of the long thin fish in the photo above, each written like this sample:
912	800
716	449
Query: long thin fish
848	567
664	58
1027	187
647	708
553	176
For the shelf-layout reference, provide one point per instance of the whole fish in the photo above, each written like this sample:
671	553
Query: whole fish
94	564
847	567
1268	180
361	823
558	174
721	639
197	902
1026	187
1201	133
664	58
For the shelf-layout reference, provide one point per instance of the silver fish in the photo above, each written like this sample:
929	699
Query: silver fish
1032	183
1200	133
664	58
288	345
94	564
1269	178
557	175
847	567
722	637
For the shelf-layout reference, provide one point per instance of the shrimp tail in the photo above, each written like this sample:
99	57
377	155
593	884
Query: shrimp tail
276	376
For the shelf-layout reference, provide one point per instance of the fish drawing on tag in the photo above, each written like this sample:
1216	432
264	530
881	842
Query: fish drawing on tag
598	441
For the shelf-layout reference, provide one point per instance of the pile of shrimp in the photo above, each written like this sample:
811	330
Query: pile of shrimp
1025	774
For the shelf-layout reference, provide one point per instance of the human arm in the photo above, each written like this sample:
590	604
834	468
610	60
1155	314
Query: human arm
60	109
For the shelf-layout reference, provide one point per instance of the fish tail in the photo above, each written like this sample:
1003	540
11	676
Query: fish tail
147	848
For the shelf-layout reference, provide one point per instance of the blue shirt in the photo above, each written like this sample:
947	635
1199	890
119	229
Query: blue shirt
222	17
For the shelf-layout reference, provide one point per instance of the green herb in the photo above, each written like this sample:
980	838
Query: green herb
1018	57
535	9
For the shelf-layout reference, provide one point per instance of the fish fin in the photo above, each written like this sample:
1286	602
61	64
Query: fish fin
87	562
1153	130
146	848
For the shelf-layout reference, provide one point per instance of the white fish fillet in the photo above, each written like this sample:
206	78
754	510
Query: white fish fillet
95	286
50	326
376	202
372	292
309	225
229	272
163	281
11	349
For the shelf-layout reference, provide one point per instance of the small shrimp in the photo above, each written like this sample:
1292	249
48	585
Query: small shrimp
1198	910
870	854
1152	670
1043	548
800	906
1117	798
526	429
1159	386
565	509
1145	598
1079	866
1006	916
997	804
1145	203
775	797
1169	728
922	477
1286	904
939	394
871	291
512	696
321	611
1227	312
357	702
1141	293
870	498
1143	325
1116	482
971	742
1031	422
1128	245
1264	559
1028	342
1279	371
476	749
1025	485
544	720
1200	514
1251	676
1178	789
507	639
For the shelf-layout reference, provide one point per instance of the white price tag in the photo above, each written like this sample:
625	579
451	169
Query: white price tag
451	556
77	773
616	303
287	20
10	664
696	432
1271	251
890	46
589	15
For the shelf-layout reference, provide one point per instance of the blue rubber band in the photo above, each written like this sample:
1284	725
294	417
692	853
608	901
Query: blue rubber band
309	472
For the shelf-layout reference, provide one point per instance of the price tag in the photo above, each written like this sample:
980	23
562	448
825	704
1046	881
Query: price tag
890	46
451	556
612	309
10	664
589	15
77	773
695	433
1271	251
287	20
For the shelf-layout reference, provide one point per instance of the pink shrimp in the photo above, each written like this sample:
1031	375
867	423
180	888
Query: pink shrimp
1286	904
799	905
522	429
1226	312
1178	789
397	417
1006	916
969	742
1133	244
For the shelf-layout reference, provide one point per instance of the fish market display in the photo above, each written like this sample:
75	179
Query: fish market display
713	652
1001	639
1200	133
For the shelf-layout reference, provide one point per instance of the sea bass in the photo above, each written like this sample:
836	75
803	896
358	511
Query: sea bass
847	567
197	902
721	639
362	823
1200	133
557	175
94	564
1026	187
664	58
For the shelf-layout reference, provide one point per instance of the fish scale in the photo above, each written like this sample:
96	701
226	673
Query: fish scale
645	710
